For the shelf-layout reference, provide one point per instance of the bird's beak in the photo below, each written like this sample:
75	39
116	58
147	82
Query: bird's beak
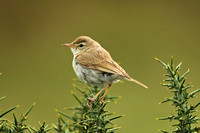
67	44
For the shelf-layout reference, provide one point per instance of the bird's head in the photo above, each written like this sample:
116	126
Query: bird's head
81	44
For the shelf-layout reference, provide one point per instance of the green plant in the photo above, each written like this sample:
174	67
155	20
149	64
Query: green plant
85	119
18	125
184	111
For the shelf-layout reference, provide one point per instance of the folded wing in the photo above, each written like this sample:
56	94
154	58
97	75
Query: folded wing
99	59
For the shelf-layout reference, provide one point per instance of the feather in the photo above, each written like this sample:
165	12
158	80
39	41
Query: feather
98	58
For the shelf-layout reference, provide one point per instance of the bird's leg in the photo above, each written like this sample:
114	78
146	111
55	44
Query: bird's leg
95	97
101	99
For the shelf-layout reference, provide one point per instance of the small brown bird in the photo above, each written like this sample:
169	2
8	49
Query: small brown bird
94	65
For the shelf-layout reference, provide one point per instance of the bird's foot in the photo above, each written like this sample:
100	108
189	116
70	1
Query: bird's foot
101	99
90	101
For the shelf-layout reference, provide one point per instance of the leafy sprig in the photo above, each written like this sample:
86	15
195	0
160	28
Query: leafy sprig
18	125
184	116
85	119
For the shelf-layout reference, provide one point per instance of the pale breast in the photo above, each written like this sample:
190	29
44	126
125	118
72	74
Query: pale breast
93	77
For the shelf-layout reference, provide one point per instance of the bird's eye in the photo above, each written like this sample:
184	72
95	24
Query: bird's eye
81	45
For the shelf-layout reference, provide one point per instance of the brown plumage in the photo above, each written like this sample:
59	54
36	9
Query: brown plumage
98	58
92	60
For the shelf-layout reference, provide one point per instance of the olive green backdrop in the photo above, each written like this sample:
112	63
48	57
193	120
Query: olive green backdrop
36	68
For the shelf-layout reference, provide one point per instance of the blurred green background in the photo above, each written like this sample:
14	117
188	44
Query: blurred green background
37	68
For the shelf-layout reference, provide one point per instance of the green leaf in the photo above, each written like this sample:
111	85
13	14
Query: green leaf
6	112
196	105
172	64
184	74
78	99
116	117
2	98
29	110
78	88
166	118
162	63
193	93
177	68
169	70
66	115
15	120
186	87
163	131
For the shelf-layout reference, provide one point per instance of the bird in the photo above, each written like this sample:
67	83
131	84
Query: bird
94	66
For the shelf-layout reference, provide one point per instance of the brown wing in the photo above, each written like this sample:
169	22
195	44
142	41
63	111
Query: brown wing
99	59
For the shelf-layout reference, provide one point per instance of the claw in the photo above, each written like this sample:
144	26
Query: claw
101	99
90	101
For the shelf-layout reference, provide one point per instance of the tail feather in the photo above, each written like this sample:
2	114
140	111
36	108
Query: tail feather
137	82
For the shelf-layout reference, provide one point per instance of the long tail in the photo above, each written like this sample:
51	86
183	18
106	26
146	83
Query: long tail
137	82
